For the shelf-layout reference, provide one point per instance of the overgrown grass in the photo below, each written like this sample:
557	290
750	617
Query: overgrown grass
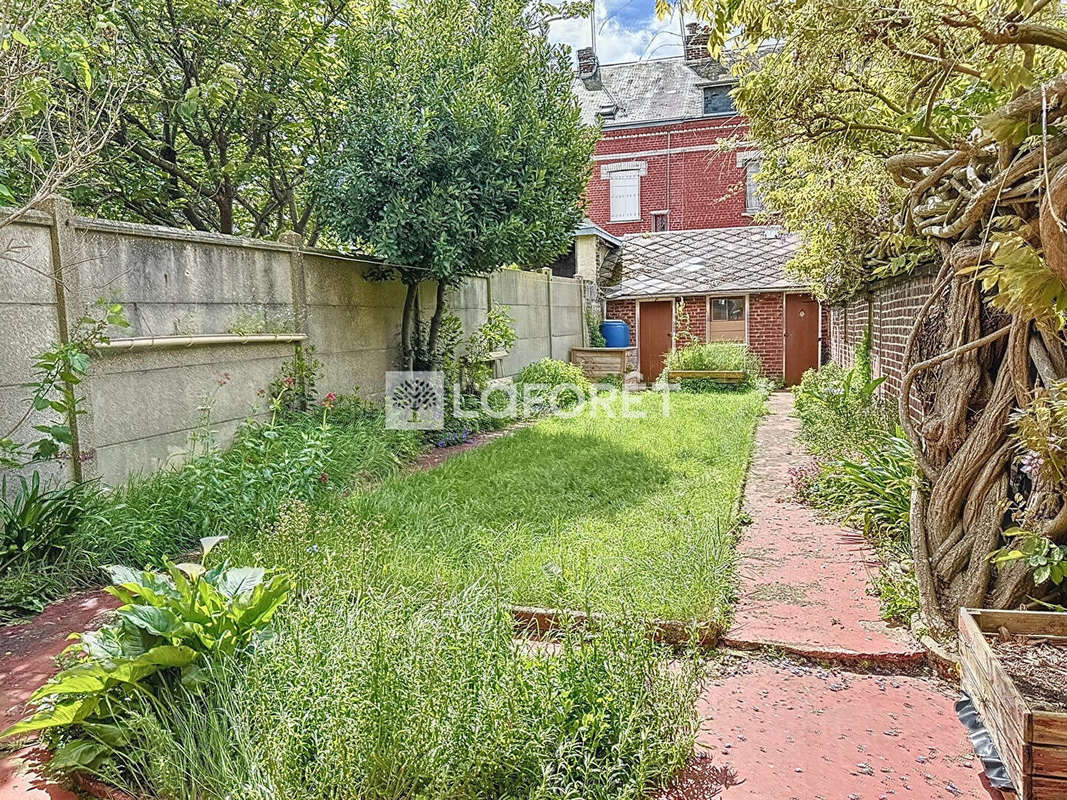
591	512
221	492
379	695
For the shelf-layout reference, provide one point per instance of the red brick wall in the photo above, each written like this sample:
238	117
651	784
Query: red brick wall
625	310
765	331
695	308
889	308
706	188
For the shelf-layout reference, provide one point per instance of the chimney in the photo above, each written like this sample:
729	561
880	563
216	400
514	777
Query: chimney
589	67
696	43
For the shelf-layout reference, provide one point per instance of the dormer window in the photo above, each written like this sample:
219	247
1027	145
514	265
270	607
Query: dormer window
717	100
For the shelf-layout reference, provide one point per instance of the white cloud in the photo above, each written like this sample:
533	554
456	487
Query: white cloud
622	34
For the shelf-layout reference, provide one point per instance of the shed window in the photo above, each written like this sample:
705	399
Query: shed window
717	100
625	195
728	309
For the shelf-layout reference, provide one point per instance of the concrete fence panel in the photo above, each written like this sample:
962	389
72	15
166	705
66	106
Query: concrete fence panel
213	319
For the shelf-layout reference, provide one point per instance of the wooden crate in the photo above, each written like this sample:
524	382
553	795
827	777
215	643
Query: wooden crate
717	375
596	362
1031	743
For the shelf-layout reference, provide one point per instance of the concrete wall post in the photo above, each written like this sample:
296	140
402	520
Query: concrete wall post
548	282
71	306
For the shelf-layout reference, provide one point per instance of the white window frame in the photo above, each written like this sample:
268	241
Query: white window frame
750	162
624	170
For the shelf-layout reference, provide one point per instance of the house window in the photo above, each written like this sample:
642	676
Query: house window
625	195
659	221
753	200
728	309
717	99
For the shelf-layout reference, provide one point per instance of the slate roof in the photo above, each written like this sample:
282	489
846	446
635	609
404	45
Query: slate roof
712	260
657	90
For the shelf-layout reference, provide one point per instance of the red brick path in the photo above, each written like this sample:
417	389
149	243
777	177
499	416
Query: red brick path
803	581
794	731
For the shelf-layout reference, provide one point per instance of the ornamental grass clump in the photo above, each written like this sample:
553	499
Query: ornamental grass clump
382	694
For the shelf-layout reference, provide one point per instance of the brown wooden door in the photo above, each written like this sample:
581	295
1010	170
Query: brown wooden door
801	336
654	341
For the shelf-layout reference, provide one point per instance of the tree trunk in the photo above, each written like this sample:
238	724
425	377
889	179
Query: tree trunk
432	360
407	346
968	365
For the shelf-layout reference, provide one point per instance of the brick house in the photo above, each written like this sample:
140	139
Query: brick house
671	203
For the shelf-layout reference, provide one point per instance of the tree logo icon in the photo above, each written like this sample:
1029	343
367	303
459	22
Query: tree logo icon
415	400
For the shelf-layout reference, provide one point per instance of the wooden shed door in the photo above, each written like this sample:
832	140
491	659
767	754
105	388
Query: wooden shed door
654	341
801	336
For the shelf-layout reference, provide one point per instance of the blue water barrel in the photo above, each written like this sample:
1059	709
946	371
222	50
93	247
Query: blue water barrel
616	333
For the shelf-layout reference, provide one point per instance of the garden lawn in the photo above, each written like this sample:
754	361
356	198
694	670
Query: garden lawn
593	512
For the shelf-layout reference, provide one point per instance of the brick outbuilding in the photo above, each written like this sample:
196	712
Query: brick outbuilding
717	284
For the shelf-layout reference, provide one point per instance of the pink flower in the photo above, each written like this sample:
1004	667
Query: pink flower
329	400
289	383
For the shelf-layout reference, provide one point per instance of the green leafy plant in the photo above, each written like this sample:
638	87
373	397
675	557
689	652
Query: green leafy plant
876	485
459	148
57	373
721	356
547	376
495	335
840	412
1047	561
592	322
294	390
171	628
36	523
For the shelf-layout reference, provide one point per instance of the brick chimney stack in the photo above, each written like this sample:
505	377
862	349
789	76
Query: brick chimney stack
696	42
588	63
589	68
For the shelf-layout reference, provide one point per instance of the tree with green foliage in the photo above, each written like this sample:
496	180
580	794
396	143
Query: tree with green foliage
460	149
230	104
58	98
922	132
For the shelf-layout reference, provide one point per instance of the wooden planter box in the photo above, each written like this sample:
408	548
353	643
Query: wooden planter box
596	362
717	375
1031	743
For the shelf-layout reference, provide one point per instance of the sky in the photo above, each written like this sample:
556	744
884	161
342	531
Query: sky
627	30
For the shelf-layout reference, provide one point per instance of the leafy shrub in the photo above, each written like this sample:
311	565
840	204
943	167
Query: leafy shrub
1046	560
552	378
37	540
875	486
37	523
897	589
864	470
840	413
387	696
592	322
715	355
1040	437
171	629
611	381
